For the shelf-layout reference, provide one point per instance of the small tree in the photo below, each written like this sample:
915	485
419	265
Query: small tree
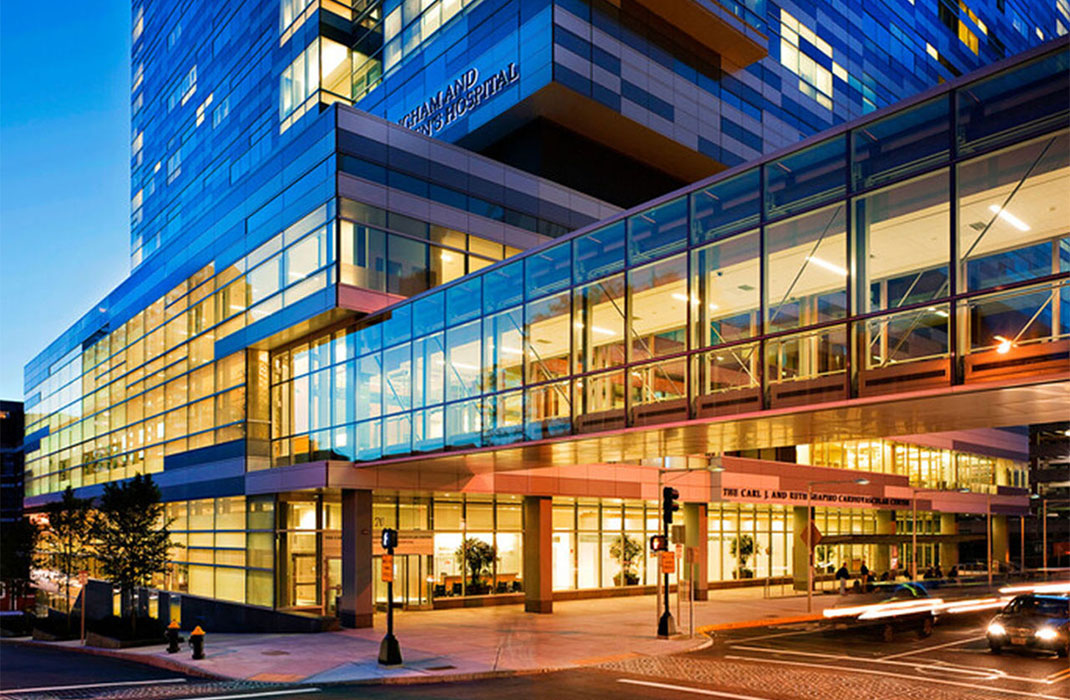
69	533
625	550
477	557
743	548
17	554
132	536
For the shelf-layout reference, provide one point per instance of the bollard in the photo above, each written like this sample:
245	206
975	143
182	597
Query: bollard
196	640
172	637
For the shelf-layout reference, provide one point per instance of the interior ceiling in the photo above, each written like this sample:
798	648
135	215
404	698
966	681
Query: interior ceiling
937	410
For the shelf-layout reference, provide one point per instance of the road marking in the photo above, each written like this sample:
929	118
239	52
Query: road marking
685	689
899	676
922	651
1059	675
266	693
940	666
86	686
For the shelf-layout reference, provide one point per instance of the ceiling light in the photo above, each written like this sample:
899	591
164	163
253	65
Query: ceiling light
1009	218
512	351
1004	345
831	267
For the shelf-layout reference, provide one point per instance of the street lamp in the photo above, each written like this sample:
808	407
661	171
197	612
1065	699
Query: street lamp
810	531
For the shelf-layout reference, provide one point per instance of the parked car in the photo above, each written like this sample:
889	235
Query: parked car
1032	621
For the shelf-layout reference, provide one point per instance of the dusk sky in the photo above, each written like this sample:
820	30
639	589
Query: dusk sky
64	169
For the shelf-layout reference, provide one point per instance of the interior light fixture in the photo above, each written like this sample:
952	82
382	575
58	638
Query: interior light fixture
595	329
831	267
1009	217
938	312
1004	345
511	351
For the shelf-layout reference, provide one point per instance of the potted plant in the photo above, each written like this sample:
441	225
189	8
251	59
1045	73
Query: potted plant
625	551
477	558
742	549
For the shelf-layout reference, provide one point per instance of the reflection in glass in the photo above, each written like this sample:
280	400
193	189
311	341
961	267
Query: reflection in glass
658	231
806	272
806	355
547	338
725	296
463	361
905	337
503	350
725	207
902	143
599	253
548	407
599	325
658	300
1014	214
902	240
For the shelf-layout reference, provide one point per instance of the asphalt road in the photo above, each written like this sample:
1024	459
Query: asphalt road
772	663
34	667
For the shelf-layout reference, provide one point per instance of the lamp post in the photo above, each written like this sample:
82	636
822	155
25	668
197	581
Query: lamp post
810	532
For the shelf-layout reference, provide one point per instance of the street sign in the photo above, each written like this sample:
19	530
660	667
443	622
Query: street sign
813	534
668	563
388	568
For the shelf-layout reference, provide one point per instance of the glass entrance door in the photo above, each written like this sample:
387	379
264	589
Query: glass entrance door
304	581
411	588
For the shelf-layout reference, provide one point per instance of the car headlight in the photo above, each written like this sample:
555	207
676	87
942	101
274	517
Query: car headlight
996	629
1047	634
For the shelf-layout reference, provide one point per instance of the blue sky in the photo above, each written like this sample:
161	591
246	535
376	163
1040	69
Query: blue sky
64	169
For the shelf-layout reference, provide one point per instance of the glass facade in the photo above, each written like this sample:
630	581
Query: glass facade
818	288
926	467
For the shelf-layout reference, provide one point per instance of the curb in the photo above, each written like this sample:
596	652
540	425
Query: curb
748	624
181	667
146	659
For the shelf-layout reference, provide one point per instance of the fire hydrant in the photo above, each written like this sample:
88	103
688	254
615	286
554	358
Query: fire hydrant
196	640
172	637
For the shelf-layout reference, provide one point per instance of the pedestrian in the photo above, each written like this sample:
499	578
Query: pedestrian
842	575
953	574
864	574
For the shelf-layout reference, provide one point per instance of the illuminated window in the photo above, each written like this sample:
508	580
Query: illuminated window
814	79
139	23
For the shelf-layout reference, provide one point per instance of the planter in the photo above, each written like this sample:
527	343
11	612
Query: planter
92	639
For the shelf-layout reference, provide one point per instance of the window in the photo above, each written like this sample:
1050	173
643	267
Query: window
299	81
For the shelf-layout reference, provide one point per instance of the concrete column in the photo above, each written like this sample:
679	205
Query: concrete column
1000	540
357	608
538	554
882	559
949	551
697	535
799	550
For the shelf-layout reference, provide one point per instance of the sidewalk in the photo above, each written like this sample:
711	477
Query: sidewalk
474	642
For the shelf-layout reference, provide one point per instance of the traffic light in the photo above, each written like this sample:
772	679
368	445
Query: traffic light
390	538
669	504
658	543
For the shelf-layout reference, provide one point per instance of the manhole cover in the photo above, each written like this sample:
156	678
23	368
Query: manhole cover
275	652
440	668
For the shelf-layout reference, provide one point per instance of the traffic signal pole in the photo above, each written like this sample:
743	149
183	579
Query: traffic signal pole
666	624
389	649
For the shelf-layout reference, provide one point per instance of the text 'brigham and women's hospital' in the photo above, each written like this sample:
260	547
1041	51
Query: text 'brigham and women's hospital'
462	96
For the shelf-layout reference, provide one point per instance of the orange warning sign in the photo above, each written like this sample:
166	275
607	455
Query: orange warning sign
668	562
388	568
